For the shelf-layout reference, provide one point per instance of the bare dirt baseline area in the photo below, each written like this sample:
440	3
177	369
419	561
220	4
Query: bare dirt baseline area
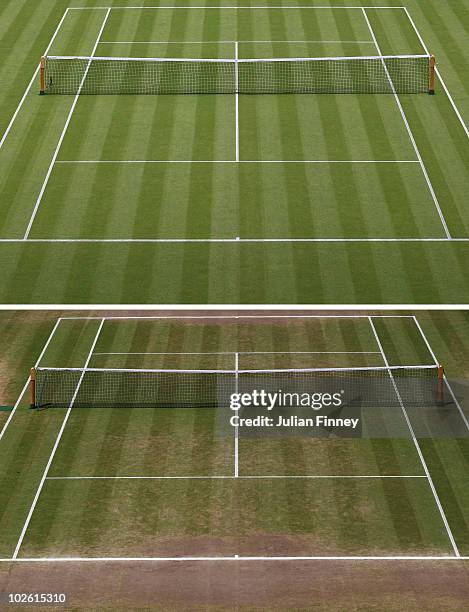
241	584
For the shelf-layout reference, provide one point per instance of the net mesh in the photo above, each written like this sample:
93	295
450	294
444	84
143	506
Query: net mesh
115	75
366	387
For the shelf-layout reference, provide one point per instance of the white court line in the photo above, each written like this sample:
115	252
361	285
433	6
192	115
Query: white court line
234	477
57	441
236	103
237	558
28	381
243	316
409	131
453	104
236	427
33	78
448	386
222	240
416	443
440	78
62	135
250	353
100	8
233	161
221	42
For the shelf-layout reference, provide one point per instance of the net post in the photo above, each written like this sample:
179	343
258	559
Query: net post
33	388
42	78
440	385
431	81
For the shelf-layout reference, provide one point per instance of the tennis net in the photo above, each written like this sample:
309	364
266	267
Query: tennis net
123	75
114	388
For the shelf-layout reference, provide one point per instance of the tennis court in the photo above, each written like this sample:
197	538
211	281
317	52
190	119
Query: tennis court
177	482
196	179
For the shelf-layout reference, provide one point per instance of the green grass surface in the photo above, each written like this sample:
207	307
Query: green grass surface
213	200
206	516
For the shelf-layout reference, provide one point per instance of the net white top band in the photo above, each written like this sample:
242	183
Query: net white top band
273	371
233	61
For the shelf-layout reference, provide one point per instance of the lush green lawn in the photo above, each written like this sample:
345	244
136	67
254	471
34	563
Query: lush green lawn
213	516
281	194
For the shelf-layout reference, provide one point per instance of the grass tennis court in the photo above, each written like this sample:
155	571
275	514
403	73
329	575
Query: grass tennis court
141	482
237	198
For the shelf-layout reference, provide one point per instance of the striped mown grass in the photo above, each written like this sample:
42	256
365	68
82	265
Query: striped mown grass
219	517
196	190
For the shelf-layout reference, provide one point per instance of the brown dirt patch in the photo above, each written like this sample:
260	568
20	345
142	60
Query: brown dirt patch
279	585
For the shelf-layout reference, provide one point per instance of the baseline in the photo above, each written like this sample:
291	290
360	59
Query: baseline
220	240
239	558
93	8
237	477
249	353
221	42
